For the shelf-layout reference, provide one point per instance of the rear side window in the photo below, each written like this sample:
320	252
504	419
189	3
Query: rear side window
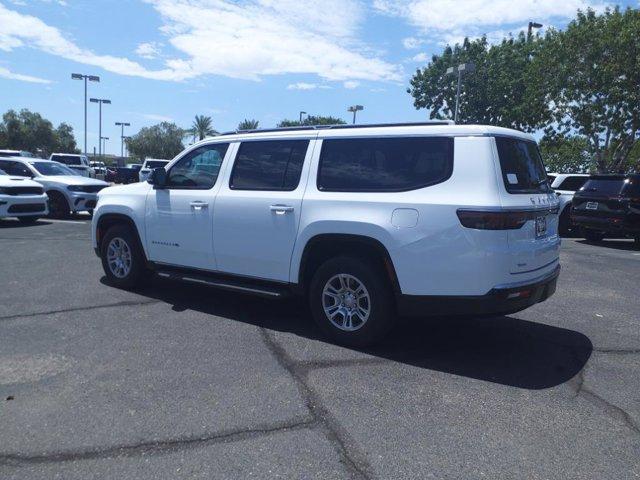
269	165
384	164
572	184
521	164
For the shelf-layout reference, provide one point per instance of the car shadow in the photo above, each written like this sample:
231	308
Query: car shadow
616	244
15	223
504	350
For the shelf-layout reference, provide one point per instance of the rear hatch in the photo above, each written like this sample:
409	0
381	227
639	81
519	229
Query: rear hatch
606	197
526	191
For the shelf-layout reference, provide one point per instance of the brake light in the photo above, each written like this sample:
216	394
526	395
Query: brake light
498	220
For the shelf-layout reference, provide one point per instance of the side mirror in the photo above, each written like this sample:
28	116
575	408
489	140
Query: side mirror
158	177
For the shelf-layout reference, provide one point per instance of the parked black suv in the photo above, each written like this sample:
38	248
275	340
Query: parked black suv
608	205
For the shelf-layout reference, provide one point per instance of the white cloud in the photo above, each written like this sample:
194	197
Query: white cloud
148	50
302	86
420	57
411	43
351	84
455	19
6	73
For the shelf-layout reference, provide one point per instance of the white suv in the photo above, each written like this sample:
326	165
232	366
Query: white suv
565	185
76	162
366	221
148	166
21	198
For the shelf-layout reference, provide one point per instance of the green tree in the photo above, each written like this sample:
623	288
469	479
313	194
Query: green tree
590	75
497	93
566	154
202	127
312	120
163	140
30	131
248	124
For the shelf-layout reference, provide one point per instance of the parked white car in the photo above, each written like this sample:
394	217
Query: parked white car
99	168
16	153
149	165
76	162
21	198
565	185
67	191
365	221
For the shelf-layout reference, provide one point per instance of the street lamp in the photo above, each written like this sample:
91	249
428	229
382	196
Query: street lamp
104	144
100	101
91	78
126	137
462	69
532	25
354	109
122	137
301	114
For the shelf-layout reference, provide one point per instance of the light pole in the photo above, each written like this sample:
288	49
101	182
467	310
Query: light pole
91	78
100	101
126	137
354	109
104	144
122	125
301	114
532	25
463	68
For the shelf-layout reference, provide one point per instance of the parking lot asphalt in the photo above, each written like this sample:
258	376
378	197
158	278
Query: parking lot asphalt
182	381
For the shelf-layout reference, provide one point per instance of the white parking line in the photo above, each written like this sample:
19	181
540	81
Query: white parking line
82	222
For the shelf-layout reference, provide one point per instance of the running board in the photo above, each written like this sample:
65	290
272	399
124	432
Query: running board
238	285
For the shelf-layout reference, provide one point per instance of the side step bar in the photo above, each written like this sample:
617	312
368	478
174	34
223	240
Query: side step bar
235	284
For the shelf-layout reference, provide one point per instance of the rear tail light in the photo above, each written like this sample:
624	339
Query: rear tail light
499	220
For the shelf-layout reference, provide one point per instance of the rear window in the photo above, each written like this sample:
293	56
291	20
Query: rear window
384	164
572	184
613	186
521	164
67	159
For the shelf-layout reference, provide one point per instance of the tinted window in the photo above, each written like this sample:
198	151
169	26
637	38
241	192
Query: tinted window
613	186
199	168
16	168
522	168
269	165
155	164
384	164
67	159
572	183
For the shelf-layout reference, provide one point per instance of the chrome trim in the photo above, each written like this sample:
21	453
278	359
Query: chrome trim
219	284
547	276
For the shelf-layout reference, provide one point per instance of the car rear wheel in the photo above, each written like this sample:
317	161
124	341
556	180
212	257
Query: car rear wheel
28	220
351	301
593	235
58	206
122	258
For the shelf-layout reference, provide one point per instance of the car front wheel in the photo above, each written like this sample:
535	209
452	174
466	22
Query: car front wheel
593	235
351	301
122	258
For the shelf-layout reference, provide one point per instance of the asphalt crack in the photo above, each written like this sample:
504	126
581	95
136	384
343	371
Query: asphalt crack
158	447
354	461
124	303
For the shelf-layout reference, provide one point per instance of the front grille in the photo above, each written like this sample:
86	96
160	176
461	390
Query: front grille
22	190
27	208
92	188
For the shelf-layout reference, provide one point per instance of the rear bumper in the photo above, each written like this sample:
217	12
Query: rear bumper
501	300
619	224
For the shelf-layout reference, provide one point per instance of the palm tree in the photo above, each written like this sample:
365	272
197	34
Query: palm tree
248	124
202	128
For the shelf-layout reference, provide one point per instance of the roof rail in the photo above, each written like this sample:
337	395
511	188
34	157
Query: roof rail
339	127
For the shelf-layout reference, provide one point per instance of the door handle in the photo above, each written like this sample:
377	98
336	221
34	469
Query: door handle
281	209
198	205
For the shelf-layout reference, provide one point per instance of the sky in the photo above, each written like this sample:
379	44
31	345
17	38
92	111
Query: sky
258	59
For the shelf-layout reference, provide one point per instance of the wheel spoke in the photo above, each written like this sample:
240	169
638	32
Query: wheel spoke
350	304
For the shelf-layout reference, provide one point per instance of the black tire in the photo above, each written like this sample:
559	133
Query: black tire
28	220
90	212
637	240
593	235
564	223
137	273
58	206
381	306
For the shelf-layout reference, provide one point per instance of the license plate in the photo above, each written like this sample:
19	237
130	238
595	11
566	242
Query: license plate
541	226
592	205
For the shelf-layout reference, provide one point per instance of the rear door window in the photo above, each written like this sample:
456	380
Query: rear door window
269	165
521	164
384	164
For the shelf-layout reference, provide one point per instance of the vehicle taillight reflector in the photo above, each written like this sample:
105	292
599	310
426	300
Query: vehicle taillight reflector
499	220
